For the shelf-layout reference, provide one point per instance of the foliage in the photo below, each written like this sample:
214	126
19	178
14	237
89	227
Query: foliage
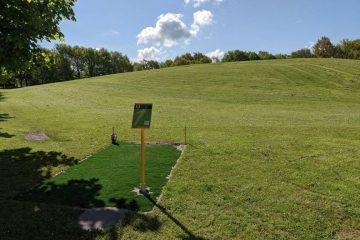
66	63
238	55
324	48
281	56
138	67
264	55
349	49
302	53
167	63
24	22
188	58
146	65
151	65
234	56
253	56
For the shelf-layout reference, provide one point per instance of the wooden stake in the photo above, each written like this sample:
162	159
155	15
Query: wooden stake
185	135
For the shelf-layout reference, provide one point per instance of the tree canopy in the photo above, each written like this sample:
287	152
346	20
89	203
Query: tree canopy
24	22
302	53
324	48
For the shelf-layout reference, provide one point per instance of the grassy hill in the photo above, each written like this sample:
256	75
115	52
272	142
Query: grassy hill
273	149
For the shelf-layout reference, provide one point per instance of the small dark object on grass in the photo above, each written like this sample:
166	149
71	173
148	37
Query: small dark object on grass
144	191
114	138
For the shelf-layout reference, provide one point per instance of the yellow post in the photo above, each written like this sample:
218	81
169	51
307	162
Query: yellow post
142	157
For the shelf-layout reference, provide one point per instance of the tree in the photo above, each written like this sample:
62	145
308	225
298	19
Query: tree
179	61
64	61
234	56
43	68
281	56
167	63
348	49
24	22
104	65
201	58
150	65
240	56
120	63
253	56
324	48
91	59
138	67
6	78
302	53
78	60
263	55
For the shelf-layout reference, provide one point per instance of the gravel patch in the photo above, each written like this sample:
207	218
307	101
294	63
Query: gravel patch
36	136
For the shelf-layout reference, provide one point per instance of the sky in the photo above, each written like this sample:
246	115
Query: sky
164	29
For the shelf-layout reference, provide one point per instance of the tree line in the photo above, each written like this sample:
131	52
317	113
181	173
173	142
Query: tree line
65	63
185	59
323	48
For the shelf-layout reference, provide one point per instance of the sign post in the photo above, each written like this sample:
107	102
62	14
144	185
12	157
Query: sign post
142	120
142	157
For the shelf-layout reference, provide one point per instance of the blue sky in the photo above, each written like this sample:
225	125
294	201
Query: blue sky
161	29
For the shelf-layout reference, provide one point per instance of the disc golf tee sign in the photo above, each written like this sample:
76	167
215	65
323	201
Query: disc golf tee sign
142	115
142	120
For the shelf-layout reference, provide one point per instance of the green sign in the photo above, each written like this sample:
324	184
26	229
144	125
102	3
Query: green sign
142	115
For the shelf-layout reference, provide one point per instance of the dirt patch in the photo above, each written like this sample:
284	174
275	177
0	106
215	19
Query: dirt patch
36	136
348	234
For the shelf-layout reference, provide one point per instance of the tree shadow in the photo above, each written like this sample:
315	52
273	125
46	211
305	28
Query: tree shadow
189	235
4	117
2	97
6	135
26	220
123	203
33	206
74	193
21	168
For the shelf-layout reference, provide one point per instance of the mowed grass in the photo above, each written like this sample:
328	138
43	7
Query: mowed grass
273	149
108	178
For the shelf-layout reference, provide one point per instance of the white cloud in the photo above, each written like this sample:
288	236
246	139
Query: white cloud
170	28
112	33
201	18
198	3
215	55
151	53
310	45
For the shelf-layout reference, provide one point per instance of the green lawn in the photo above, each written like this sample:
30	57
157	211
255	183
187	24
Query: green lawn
108	179
273	149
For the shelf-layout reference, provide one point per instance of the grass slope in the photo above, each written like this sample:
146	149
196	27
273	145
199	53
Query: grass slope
273	147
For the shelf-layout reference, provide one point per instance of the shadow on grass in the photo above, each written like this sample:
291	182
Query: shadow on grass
6	135
4	117
123	203
49	210
189	235
74	193
21	168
